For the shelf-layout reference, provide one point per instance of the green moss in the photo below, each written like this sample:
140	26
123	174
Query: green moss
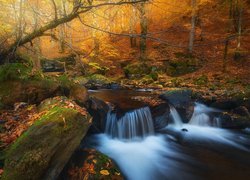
137	70
98	68
147	80
233	80
180	67
80	80
98	78
14	71
176	82
64	81
202	80
31	154
154	76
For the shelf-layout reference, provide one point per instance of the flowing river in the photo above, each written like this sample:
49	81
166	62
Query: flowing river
199	149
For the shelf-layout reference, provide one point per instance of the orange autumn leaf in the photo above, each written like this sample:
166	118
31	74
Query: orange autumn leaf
104	172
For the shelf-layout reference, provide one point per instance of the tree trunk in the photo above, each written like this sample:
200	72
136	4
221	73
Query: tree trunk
20	20
192	31
132	27
144	31
229	27
37	43
239	26
95	38
225	56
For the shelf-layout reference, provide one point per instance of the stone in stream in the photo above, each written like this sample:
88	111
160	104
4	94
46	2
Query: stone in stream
98	110
44	149
182	100
178	98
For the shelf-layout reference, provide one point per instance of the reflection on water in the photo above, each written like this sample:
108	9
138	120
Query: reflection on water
121	98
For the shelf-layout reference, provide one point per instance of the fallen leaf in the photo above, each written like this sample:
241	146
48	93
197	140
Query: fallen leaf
104	172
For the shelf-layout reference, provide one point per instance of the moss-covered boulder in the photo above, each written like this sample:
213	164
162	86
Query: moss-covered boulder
137	70
98	81
31	91
44	149
20	84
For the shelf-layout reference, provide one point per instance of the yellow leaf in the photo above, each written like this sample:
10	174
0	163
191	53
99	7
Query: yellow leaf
104	172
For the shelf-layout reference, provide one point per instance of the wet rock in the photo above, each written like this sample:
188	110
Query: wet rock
61	64
115	86
182	100
160	115
179	98
98	109
232	121
52	66
184	130
227	104
242	111
44	149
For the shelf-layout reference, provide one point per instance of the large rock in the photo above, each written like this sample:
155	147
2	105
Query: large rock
182	100
160	115
52	66
98	110
178	98
44	149
32	92
61	64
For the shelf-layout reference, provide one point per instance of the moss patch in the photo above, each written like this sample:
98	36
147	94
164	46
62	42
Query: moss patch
14	71
136	70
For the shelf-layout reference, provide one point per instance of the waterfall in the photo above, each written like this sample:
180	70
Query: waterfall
175	116
201	116
133	124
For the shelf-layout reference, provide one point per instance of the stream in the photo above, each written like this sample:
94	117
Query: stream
199	149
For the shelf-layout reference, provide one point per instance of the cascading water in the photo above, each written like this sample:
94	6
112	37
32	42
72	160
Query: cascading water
202	127
163	155
201	117
175	116
134	124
